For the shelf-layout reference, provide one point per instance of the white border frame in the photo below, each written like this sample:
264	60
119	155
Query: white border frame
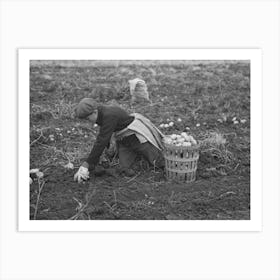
24	57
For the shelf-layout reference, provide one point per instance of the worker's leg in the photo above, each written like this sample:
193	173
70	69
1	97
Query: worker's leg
127	156
152	154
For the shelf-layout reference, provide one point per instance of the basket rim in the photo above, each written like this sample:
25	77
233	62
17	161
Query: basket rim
173	147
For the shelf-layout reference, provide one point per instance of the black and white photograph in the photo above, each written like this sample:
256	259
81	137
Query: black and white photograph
137	140
140	139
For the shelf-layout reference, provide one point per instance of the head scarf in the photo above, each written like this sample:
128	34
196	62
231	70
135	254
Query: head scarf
85	107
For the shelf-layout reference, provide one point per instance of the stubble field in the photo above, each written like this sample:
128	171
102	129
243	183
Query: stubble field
210	101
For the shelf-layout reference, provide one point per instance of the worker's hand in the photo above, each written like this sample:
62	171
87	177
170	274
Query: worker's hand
82	174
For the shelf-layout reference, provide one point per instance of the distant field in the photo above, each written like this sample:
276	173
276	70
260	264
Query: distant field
88	63
212	99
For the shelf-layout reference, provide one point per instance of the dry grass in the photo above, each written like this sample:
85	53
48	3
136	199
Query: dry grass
59	110
213	139
82	206
213	146
41	184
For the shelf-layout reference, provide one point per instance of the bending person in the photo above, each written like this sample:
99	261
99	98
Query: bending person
134	133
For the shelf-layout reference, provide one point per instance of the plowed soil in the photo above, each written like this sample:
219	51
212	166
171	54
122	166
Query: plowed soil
208	98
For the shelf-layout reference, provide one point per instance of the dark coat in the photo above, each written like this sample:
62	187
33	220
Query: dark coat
110	119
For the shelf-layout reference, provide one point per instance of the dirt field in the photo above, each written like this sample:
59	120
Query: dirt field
210	101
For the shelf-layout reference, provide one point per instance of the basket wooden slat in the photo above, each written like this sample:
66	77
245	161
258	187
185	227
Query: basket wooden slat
181	162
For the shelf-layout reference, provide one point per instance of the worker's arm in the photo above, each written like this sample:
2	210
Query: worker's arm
102	140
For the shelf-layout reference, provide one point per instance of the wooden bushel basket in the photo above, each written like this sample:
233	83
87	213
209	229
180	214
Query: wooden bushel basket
181	162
